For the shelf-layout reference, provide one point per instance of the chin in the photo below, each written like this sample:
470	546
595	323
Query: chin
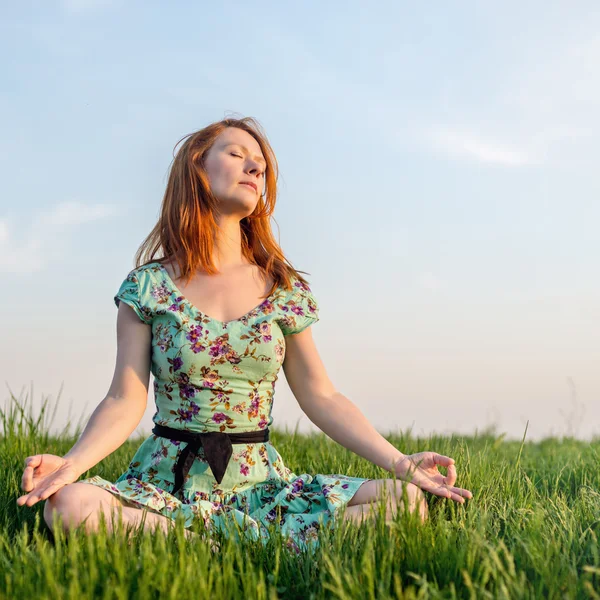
239	203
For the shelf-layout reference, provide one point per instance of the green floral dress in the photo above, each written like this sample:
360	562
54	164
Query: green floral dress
216	376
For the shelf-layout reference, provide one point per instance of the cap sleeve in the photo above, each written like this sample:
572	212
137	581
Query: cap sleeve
130	292
299	309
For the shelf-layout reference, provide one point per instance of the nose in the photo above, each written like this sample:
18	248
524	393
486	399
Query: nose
253	168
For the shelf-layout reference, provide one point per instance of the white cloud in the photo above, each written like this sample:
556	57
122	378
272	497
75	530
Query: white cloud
540	109
465	144
75	213
45	238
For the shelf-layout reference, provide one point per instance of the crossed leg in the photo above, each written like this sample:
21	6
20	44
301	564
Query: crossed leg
78	503
365	503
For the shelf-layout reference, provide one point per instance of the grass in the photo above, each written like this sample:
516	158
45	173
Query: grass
531	530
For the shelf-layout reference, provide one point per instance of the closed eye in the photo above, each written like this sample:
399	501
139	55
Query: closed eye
261	174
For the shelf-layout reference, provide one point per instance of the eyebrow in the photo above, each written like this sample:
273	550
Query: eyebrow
258	158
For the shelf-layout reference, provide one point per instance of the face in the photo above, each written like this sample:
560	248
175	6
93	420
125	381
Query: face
235	167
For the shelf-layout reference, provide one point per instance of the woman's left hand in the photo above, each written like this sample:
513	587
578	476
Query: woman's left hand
421	469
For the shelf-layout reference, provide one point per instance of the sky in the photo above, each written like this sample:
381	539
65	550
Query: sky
437	184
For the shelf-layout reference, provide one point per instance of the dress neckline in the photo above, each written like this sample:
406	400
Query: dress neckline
196	309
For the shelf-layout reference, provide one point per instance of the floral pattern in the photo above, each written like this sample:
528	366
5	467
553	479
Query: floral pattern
220	376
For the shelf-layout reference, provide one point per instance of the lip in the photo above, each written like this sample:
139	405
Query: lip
251	184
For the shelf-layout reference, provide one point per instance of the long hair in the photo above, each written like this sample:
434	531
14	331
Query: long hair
186	230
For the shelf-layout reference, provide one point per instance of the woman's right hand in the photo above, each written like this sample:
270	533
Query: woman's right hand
44	475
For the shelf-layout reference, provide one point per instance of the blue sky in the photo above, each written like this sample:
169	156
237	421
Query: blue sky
437	182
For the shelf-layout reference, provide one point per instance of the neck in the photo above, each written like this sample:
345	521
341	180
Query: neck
228	245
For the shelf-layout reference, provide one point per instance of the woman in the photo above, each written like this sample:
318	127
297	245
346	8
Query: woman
209	456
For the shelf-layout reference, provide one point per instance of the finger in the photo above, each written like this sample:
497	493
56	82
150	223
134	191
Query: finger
31	463
26	500
444	492
36	495
442	461
450	478
457	498
33	499
22	499
461	492
24	480
27	479
51	489
434	489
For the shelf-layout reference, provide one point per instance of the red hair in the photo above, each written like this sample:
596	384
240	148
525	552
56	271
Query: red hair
185	231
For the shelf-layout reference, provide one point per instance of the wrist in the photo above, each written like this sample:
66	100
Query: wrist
396	460
74	464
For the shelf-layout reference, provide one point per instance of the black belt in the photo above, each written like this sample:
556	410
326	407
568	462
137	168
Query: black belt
217	448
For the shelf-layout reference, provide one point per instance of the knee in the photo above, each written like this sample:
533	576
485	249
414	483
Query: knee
417	501
415	494
68	504
56	506
401	491
412	495
64	497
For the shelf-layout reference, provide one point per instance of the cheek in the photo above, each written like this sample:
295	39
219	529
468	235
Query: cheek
220	174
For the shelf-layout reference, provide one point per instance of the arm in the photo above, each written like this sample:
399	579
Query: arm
327	408
342	421
119	413
111	423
